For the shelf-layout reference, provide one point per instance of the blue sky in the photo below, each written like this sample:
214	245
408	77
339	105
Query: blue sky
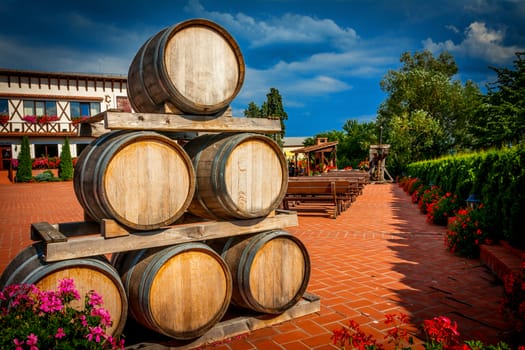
326	57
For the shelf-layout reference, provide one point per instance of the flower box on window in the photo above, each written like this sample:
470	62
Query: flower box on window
33	119
4	119
78	120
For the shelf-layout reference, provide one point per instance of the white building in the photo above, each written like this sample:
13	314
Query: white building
46	106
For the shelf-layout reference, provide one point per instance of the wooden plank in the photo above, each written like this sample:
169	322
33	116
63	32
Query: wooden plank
46	232
235	326
116	120
199	231
111	229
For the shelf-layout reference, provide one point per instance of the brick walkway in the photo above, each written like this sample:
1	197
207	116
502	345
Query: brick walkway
378	257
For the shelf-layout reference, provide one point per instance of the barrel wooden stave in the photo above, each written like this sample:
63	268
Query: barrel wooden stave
93	273
270	270
195	65
238	176
141	179
181	291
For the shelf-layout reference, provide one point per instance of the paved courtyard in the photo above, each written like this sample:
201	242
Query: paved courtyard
378	257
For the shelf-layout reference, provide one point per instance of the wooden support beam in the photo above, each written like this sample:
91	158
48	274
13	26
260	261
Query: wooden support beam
90	245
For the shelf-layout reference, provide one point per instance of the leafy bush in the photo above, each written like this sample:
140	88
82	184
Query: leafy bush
445	207
429	196
46	176
466	232
497	177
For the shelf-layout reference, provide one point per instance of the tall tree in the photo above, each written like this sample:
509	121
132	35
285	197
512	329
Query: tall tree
424	85
501	119
272	108
413	137
24	173
275	110
253	111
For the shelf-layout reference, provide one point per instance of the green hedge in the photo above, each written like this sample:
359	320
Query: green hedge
497	177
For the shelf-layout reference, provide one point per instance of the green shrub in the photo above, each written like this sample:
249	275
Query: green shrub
65	171
24	172
46	176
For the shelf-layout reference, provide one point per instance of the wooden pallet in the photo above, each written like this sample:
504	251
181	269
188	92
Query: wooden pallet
230	327
169	122
81	239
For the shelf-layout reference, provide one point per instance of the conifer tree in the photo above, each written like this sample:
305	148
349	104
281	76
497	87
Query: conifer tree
65	171
24	172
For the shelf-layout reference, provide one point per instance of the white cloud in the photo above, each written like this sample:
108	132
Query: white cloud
289	28
480	42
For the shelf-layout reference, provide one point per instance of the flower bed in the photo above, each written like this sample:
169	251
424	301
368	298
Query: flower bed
440	333
35	319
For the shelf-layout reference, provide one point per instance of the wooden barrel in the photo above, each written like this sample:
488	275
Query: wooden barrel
141	179
93	273
239	176
270	270
181	291
196	66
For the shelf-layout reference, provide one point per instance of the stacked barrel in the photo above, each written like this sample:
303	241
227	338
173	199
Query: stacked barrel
145	180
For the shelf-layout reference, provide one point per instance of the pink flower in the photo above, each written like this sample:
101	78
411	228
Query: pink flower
60	333
32	340
95	332
66	289
50	302
19	344
105	317
95	299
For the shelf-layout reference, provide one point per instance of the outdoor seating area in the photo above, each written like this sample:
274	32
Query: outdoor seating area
330	193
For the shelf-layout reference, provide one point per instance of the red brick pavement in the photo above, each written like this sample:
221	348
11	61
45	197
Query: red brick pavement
378	257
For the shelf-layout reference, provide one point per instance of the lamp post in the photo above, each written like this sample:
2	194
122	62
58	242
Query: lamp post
472	201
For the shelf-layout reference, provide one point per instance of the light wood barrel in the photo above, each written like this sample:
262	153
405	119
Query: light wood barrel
270	270
93	273
181	291
239	176
196	66
141	179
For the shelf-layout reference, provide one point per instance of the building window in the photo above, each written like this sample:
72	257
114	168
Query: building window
46	151
84	109
40	108
4	109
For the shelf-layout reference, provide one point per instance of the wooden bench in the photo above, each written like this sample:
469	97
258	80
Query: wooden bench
333	195
362	178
